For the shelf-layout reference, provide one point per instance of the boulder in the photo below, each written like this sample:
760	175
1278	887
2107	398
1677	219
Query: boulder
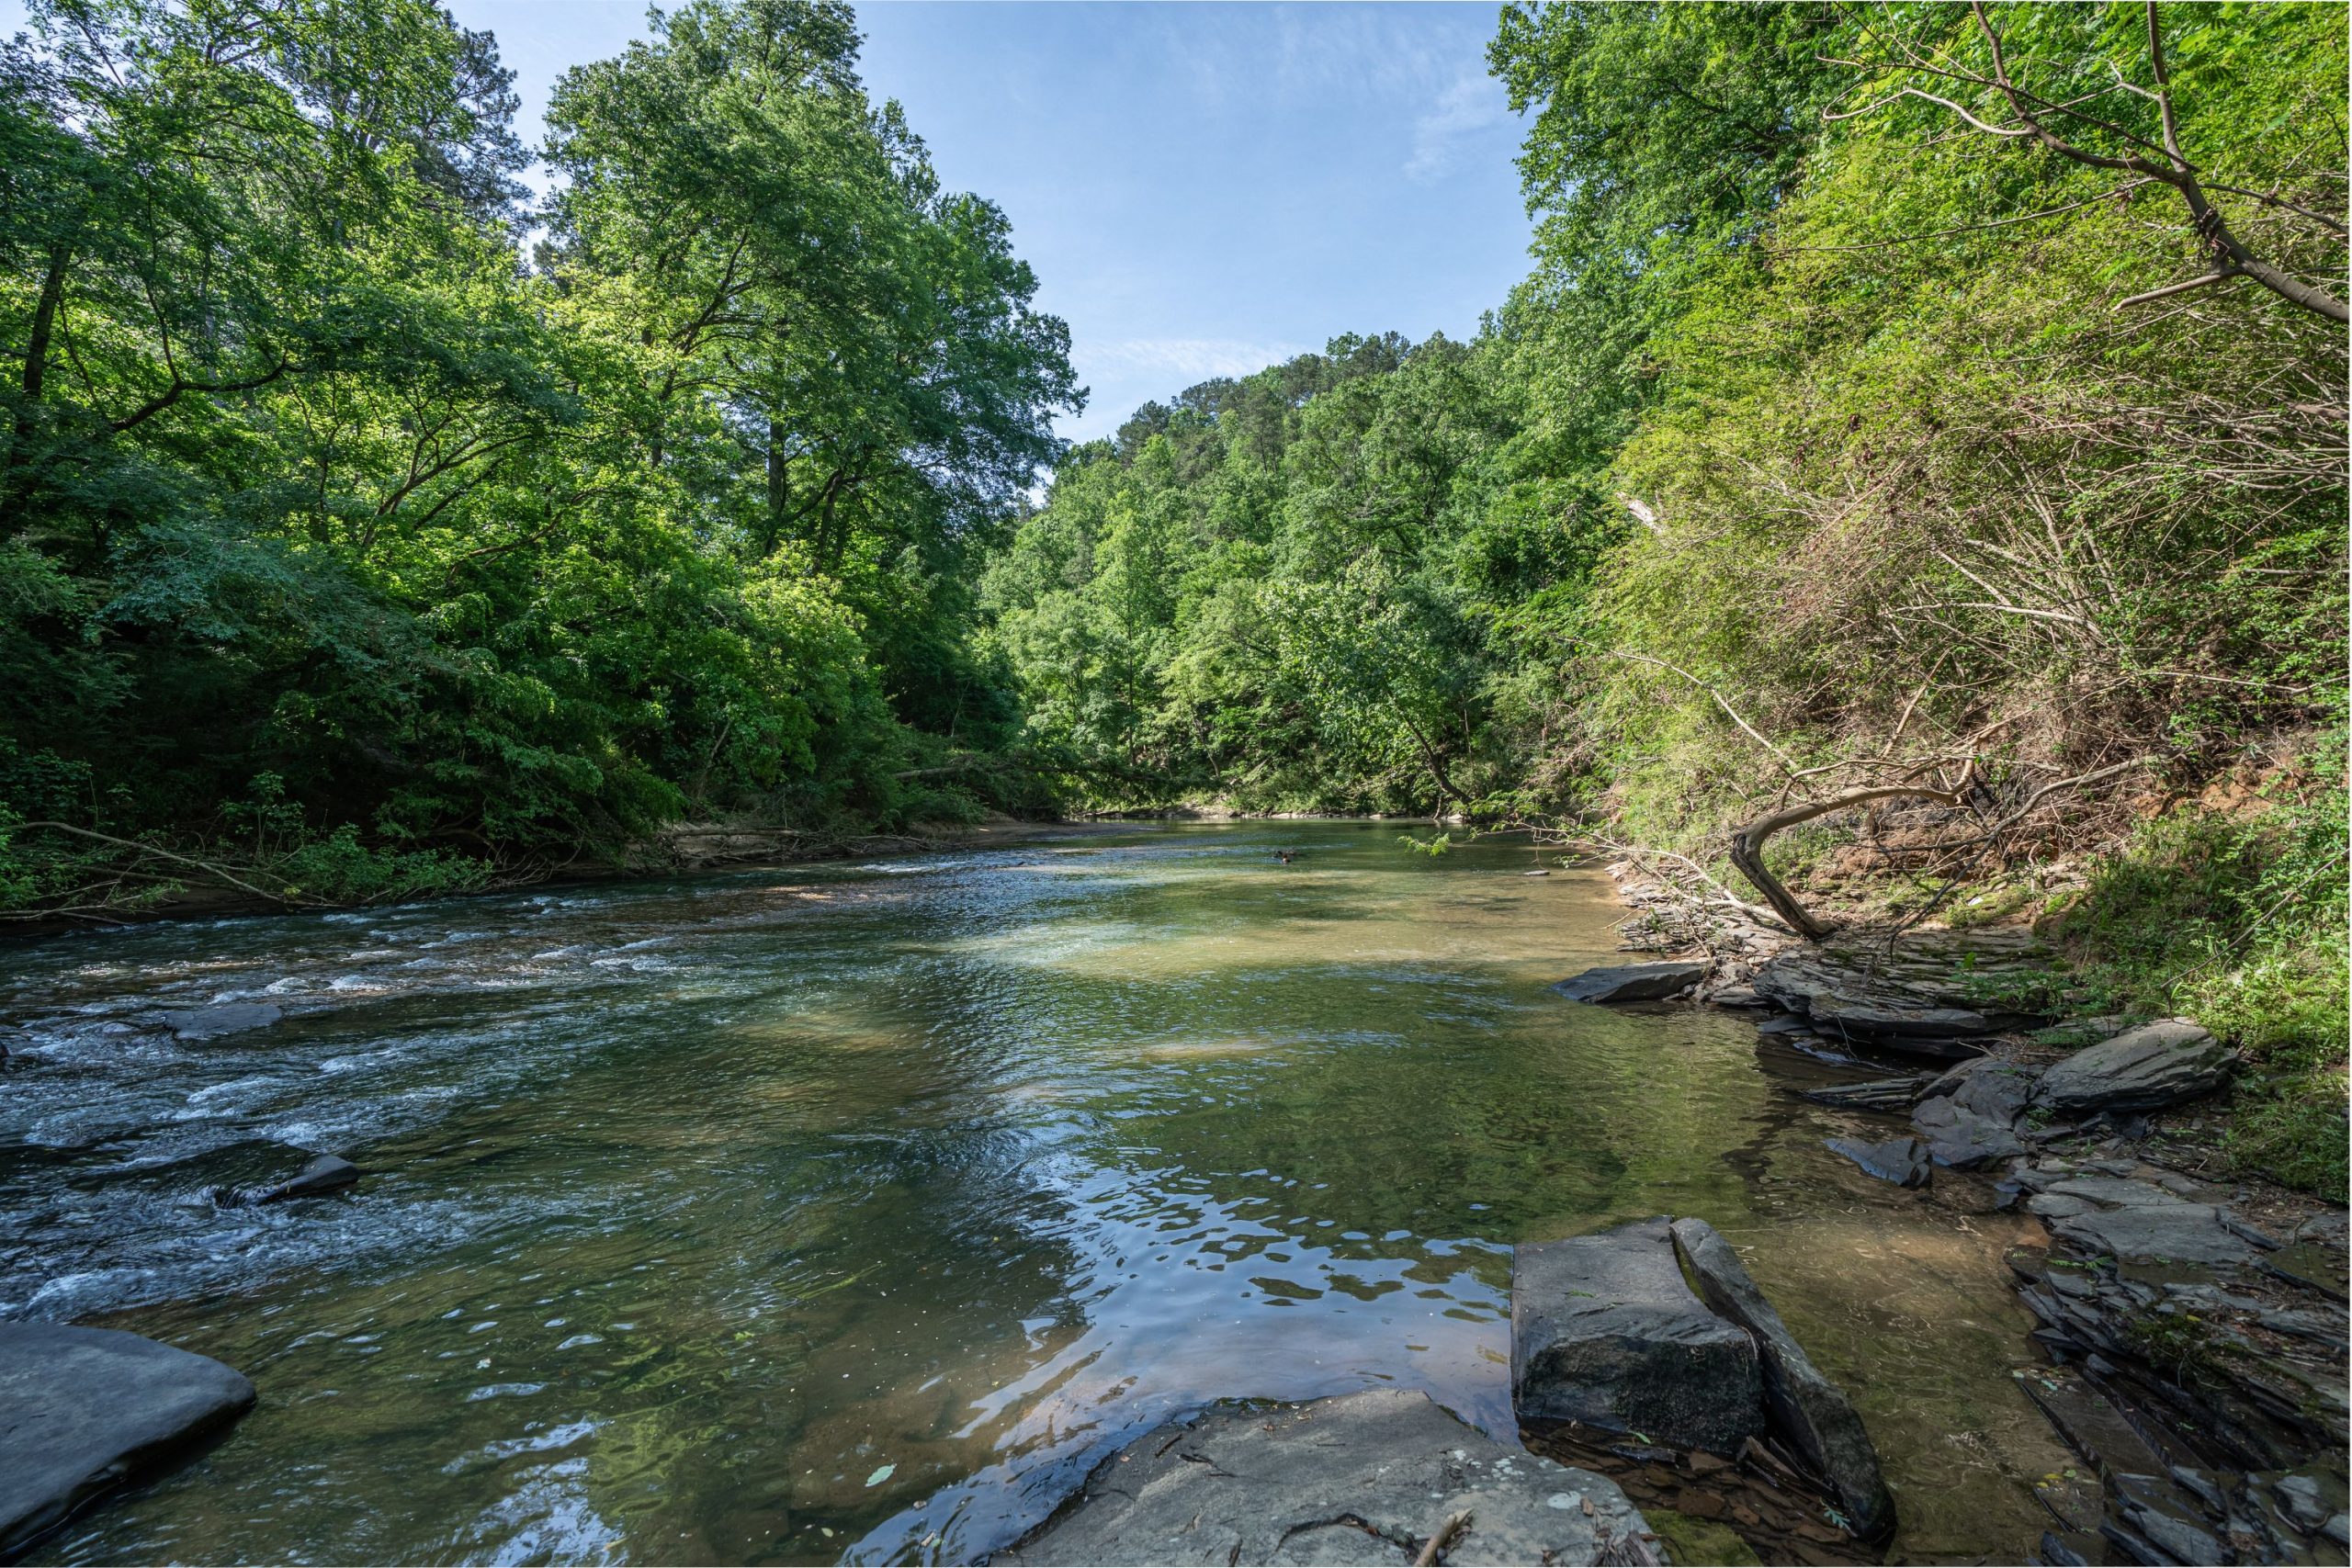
326	1173
2157	1064
1605	1331
84	1410
1363	1478
1633	982
228	1017
1903	1161
1806	1408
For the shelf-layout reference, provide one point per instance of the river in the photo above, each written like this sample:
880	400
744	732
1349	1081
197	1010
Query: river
851	1210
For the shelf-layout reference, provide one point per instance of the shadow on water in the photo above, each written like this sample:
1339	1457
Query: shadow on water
855	1210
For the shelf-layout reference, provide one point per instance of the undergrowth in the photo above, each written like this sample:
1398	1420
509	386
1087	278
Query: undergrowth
2238	922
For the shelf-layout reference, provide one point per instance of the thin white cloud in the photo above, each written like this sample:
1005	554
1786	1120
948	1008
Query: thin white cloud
1194	356
1470	104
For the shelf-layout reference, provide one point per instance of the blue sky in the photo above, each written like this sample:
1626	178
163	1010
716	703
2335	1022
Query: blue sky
1203	189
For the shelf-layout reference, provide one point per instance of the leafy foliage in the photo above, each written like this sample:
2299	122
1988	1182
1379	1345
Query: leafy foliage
308	478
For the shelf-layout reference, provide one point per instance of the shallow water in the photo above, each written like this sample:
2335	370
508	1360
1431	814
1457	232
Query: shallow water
854	1210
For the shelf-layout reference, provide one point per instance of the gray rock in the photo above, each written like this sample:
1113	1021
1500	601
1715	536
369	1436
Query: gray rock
1988	1086
1878	1094
1365	1478
1920	1030
1806	1408
1960	1137
1903	1161
326	1173
1633	982
83	1410
2149	1232
1604	1331
2161	1064
228	1017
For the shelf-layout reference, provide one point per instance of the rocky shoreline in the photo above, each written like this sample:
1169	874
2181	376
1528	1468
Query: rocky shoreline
2191	1331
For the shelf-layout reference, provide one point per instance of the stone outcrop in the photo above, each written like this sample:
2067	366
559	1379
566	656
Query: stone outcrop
85	1410
1364	1478
1806	1408
2157	1064
1633	982
1605	1332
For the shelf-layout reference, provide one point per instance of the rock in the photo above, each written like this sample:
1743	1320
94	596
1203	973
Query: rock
2161	1064
1997	1090
2171	1231
1878	1094
228	1017
326	1173
1806	1408
83	1410
1921	1031
1633	982
1604	1331
2307	1263
1363	1478
1903	1161
1960	1137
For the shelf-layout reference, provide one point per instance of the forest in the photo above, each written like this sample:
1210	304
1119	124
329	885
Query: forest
1943	405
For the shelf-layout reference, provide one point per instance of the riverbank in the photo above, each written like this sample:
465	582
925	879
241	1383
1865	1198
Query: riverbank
688	848
2191	1313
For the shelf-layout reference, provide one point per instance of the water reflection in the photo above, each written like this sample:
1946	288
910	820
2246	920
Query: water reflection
851	1210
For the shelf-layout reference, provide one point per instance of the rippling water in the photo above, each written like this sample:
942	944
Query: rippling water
852	1210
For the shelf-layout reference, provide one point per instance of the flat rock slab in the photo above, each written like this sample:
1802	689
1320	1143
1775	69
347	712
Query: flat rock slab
1364	1478
2155	1232
1604	1330
2157	1064
228	1017
1878	1094
1903	1161
1631	982
83	1410
1807	1407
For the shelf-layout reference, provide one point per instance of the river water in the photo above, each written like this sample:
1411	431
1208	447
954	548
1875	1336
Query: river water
852	1211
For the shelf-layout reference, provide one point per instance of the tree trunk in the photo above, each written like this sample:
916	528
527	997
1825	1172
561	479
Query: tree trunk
1747	847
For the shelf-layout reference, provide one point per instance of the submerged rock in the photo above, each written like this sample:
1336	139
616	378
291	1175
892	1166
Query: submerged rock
1903	1161
1806	1408
228	1017
84	1410
2157	1064
1364	1478
1633	982
1605	1331
326	1173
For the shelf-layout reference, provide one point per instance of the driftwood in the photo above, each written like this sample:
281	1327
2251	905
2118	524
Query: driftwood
1455	1524
1747	847
1747	842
